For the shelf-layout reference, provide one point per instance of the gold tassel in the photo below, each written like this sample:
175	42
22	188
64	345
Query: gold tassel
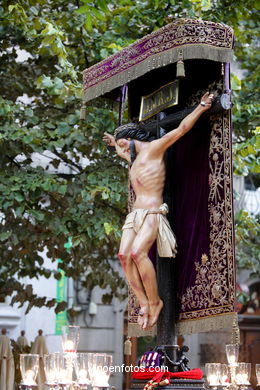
128	346
180	72
83	112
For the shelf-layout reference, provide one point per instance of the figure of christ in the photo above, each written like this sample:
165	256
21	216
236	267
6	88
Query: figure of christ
147	220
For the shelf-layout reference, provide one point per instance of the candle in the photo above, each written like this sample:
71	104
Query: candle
62	376
83	376
100	378
224	379
29	378
51	376
232	359
213	380
69	346
239	378
242	379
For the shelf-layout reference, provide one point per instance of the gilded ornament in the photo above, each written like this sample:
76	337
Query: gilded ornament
204	258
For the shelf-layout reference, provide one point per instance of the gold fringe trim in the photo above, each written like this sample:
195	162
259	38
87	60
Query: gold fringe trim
198	51
207	324
134	330
235	336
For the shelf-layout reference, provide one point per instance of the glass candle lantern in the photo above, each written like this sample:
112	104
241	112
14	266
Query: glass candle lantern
70	338
224	377
100	370
29	365
213	371
82	368
50	369
243	373
257	372
65	367
232	351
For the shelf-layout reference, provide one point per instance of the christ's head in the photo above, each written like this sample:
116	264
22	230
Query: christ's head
127	135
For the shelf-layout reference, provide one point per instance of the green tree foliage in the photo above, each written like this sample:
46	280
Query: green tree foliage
248	243
80	195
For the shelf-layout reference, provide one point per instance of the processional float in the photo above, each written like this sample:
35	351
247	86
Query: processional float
164	75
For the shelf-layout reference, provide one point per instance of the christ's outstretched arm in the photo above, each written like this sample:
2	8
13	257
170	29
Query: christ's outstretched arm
186	124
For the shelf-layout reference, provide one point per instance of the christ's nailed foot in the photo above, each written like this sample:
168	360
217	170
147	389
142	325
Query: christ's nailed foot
154	312
143	316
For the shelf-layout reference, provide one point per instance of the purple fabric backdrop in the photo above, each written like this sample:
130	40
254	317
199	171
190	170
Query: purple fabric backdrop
190	172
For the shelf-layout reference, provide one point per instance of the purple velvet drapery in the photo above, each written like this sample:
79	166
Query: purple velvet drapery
190	171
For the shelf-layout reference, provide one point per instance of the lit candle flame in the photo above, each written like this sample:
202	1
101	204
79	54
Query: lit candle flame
241	379
83	377
232	359
213	380
29	378
100	378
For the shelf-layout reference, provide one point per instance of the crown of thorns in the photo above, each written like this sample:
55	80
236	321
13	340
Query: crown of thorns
133	131
124	128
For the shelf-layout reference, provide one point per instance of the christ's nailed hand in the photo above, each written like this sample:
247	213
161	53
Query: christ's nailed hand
206	100
109	139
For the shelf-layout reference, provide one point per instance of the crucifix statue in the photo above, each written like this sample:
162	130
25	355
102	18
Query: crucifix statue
147	221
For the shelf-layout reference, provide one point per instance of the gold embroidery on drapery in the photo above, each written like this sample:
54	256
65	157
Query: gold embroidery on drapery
214	288
197	39
180	32
210	287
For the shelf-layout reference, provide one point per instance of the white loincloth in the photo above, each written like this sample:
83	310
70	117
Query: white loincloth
166	241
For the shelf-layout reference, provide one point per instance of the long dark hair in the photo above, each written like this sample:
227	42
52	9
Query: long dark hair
134	131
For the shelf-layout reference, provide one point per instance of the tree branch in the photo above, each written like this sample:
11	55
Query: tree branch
80	169
13	161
